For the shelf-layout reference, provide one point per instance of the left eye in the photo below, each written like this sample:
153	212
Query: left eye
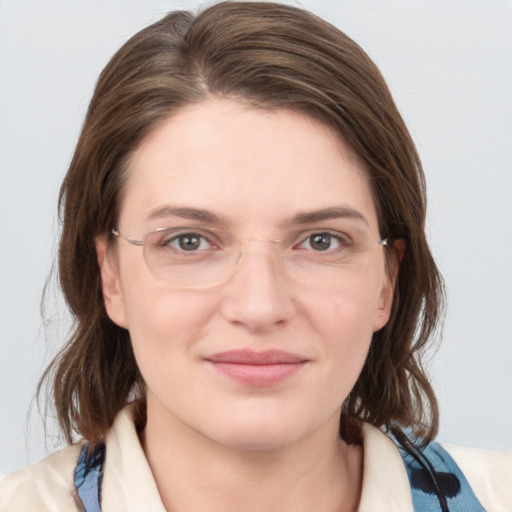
322	242
188	242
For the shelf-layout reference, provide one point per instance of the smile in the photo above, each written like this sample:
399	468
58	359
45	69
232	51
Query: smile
257	368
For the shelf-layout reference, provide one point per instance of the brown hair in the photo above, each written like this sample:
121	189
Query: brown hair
273	56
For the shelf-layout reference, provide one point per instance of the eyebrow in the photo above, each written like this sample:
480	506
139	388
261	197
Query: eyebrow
337	212
207	216
197	214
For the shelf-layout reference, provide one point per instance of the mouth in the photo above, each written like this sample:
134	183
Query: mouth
251	368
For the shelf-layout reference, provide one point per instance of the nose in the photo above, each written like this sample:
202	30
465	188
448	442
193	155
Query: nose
257	297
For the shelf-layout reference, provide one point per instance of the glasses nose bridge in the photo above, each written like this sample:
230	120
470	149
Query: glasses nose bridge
257	260
273	243
262	239
270	255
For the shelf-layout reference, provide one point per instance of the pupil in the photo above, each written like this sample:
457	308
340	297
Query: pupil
321	241
189	242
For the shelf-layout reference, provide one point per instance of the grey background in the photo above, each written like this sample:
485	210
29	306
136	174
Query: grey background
449	66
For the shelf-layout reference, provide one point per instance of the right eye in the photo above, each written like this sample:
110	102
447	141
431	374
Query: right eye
187	242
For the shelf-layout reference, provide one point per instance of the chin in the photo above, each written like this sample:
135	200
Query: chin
258	438
260	431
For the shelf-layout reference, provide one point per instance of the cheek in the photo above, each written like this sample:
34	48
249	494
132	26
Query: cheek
343	323
164	324
165	330
155	311
350	330
346	314
167	315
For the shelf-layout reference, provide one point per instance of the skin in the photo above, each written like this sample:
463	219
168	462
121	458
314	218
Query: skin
214	443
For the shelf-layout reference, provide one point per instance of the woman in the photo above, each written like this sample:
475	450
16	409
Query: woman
243	249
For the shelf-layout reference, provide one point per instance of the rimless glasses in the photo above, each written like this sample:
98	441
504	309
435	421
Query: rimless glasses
191	256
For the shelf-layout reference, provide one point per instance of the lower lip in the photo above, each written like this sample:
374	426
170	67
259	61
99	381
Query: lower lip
258	375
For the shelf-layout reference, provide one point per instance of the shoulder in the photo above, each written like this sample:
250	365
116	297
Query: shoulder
387	479
47	485
489	473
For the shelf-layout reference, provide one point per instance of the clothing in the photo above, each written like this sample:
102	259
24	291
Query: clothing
128	484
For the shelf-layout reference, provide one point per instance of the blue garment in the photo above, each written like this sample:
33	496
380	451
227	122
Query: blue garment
87	478
437	483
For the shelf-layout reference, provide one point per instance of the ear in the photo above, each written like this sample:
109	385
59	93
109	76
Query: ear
110	284
388	287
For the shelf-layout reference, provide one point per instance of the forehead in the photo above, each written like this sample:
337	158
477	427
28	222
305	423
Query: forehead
244	163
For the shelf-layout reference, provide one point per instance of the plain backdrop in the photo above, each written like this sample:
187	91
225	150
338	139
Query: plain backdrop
449	66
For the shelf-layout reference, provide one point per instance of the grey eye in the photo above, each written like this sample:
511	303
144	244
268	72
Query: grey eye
188	241
321	241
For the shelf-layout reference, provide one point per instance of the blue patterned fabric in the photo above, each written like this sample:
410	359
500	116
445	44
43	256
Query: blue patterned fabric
87	478
437	483
439	474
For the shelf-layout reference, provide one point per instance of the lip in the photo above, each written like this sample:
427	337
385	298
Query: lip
251	368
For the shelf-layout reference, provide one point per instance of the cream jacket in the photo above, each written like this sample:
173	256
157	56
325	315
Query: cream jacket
128	484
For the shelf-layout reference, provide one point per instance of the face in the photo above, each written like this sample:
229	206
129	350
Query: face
265	358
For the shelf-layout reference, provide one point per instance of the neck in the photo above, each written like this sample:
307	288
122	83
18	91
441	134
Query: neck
194	473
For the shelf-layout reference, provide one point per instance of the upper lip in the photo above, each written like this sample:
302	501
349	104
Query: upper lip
251	357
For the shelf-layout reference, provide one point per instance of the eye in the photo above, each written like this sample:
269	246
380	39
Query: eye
324	241
188	242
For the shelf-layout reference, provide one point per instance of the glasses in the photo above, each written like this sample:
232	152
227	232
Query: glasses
191	256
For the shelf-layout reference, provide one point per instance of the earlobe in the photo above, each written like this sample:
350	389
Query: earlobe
399	248
110	284
388	288
385	303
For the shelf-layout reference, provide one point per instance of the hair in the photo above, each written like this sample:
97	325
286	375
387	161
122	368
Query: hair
272	56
